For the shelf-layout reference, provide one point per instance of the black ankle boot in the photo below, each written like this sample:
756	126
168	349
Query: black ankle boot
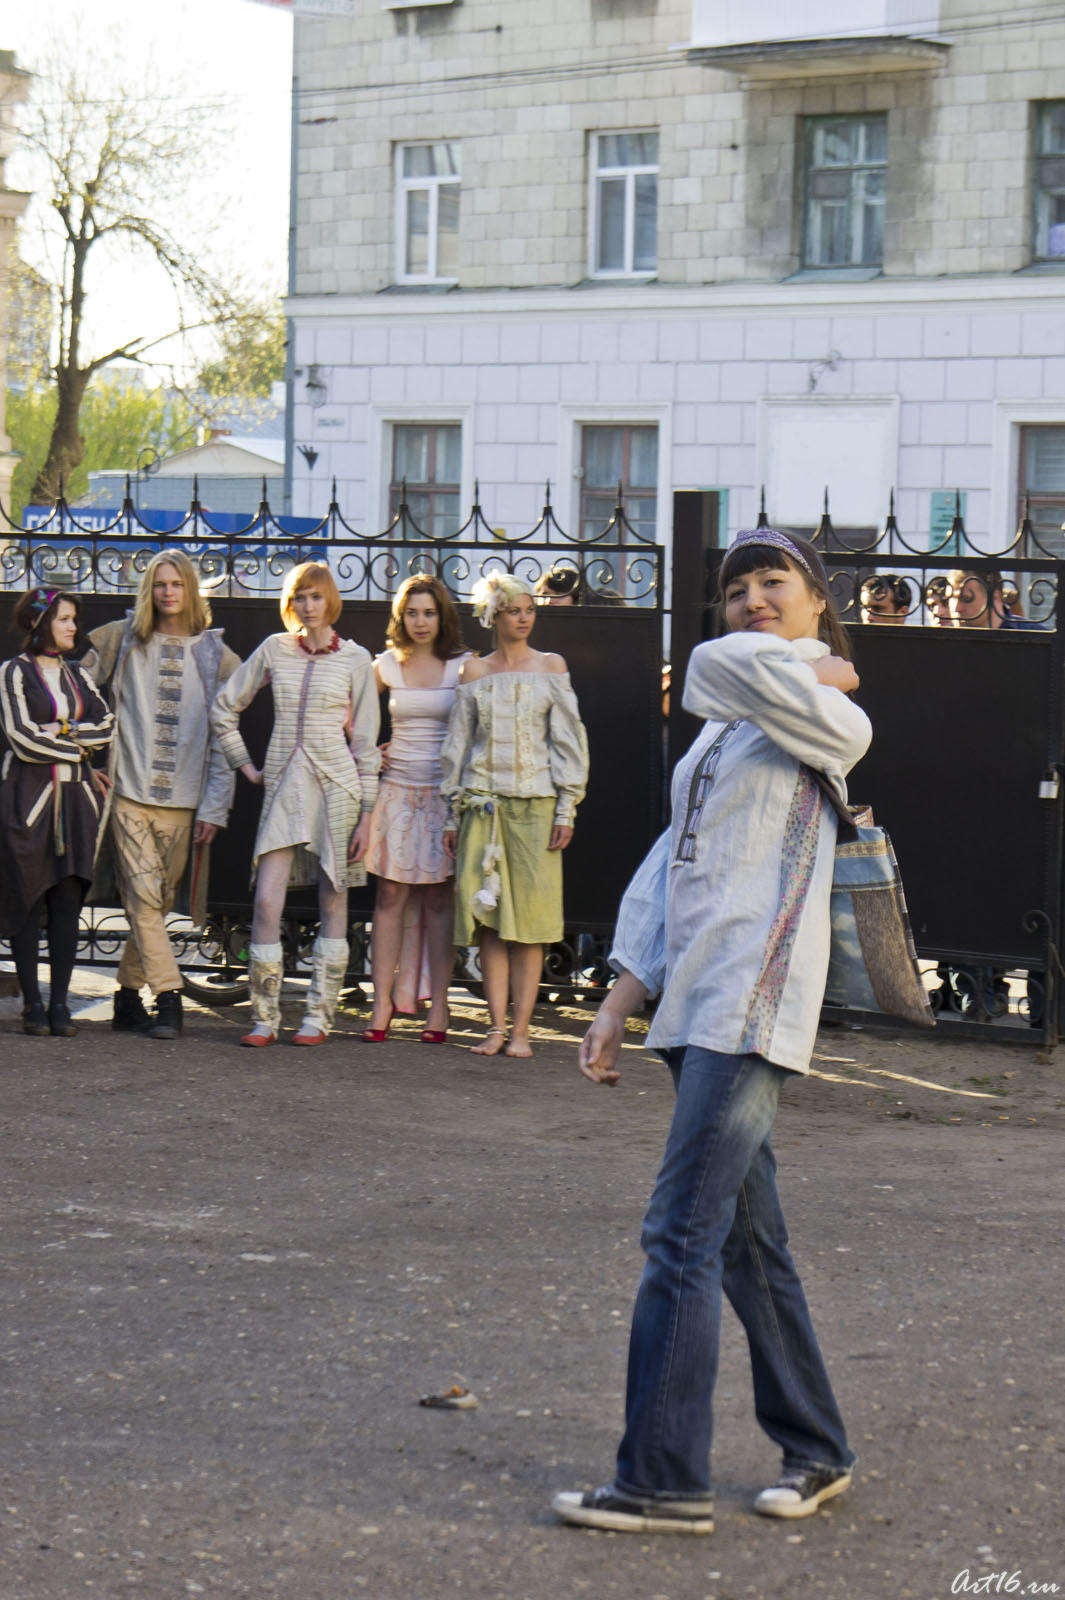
129	1014
60	1022
167	1021
34	1021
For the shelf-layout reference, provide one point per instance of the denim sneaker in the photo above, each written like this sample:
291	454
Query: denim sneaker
608	1508
800	1490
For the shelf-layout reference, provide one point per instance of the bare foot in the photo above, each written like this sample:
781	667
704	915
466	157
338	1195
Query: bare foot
491	1044
519	1046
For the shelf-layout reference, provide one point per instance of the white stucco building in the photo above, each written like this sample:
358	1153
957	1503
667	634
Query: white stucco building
676	243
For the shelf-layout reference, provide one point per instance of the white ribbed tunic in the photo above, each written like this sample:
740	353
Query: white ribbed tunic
321	768
729	913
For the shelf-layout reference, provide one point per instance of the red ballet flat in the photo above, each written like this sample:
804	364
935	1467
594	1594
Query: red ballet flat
258	1040
317	1037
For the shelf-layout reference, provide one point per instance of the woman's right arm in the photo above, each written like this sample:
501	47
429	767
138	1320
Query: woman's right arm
458	741
238	691
638	956
755	678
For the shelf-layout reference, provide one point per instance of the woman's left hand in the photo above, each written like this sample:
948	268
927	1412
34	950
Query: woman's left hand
560	837
102	780
360	839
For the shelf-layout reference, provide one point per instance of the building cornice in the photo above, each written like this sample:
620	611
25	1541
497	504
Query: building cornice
992	293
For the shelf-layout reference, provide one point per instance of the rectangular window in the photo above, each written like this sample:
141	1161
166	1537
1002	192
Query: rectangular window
613	459
428	458
1050	181
624	205
428	180
845	171
1041	481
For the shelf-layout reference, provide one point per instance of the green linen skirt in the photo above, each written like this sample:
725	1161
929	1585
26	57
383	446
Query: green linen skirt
528	895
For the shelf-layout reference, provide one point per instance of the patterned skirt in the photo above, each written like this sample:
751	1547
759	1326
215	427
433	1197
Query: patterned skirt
407	834
503	858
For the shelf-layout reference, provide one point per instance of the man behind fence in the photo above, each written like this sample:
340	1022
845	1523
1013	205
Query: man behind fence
161	667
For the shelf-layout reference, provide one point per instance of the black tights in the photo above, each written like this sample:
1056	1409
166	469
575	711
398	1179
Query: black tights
62	904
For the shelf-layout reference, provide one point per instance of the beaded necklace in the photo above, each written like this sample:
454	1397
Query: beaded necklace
326	650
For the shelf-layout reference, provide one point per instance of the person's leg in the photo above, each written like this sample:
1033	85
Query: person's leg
793	1397
25	951
495	972
526	964
438	907
266	968
271	886
329	964
724	1111
63	902
386	939
409	983
151	851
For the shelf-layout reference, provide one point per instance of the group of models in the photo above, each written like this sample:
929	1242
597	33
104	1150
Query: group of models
477	789
727	920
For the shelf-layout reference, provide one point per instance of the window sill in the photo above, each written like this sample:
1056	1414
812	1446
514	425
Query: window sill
613	280
421	286
834	275
413	5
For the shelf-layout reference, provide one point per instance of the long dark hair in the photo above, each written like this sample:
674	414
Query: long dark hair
745	558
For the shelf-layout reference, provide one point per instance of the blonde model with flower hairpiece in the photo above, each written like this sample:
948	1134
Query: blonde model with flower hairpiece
515	765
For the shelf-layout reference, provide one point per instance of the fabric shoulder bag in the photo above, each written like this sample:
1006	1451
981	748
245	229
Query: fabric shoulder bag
873	963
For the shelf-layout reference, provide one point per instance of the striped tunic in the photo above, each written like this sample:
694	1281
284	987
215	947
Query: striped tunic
50	808
321	768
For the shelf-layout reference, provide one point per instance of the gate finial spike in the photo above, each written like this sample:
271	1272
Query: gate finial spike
763	520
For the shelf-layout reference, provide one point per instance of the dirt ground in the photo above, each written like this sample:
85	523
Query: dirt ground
229	1277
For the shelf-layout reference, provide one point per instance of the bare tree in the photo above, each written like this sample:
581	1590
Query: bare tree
112	167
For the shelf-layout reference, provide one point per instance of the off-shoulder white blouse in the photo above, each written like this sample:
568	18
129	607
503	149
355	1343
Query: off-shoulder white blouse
518	734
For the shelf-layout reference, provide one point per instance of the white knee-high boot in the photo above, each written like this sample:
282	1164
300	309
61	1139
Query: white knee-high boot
329	965
265	974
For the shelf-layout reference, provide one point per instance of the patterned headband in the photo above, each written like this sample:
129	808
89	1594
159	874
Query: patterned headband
776	541
40	601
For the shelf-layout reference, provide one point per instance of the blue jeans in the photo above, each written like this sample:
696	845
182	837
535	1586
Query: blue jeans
714	1222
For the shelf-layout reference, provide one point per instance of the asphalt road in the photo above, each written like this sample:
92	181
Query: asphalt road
229	1277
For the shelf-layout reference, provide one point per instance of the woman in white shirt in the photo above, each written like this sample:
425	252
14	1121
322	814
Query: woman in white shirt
420	669
728	918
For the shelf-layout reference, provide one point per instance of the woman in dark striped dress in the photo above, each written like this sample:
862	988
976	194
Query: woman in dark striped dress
51	801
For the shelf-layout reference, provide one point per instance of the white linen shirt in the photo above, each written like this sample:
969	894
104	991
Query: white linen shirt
729	913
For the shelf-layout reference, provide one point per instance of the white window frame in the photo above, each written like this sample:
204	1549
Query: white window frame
380	422
856	173
1009	418
571	419
630	175
432	185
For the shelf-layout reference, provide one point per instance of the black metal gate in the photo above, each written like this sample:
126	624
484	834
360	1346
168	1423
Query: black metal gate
966	766
613	650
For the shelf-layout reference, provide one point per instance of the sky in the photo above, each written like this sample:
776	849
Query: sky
234	51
